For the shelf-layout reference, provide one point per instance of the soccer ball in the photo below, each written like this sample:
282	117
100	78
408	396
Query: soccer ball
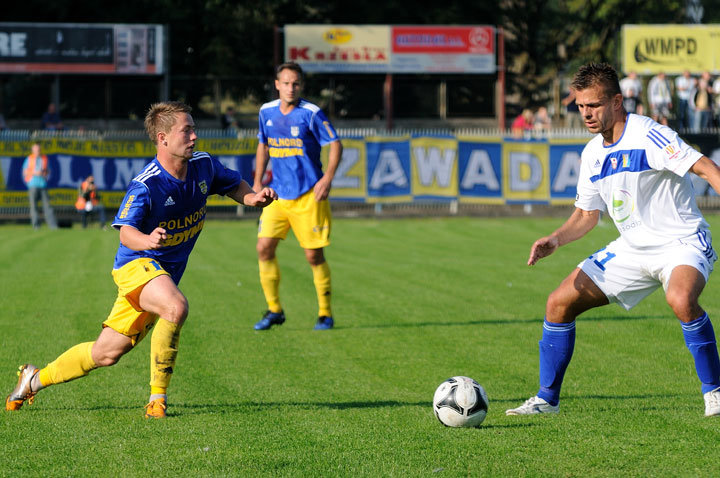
460	402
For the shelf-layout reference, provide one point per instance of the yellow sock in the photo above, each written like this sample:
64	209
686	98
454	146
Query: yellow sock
270	281
321	278
74	363
163	352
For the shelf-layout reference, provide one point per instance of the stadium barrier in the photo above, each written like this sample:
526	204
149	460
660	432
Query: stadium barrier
398	172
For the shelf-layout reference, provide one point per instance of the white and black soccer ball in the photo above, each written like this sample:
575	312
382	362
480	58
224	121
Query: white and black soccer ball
460	402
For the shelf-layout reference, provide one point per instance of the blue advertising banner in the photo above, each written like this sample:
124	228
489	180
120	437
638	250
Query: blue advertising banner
489	170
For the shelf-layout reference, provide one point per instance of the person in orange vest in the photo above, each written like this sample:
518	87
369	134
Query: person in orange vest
88	201
35	174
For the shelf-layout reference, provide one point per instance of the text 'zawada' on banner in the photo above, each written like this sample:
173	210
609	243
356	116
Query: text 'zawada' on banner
650	49
392	49
472	170
373	169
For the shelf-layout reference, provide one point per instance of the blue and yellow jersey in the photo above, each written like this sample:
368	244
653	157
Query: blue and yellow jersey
157	199
294	142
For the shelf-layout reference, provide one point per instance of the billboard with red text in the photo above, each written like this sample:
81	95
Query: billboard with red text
391	49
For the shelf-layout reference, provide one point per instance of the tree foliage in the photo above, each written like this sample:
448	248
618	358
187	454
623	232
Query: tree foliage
544	40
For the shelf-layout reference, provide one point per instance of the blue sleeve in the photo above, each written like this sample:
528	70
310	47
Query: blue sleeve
224	179
262	135
134	207
322	129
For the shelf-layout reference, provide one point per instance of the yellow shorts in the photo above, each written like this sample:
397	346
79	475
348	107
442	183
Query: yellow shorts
126	315
310	220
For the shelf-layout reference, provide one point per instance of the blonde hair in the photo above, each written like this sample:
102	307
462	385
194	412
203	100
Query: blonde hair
160	118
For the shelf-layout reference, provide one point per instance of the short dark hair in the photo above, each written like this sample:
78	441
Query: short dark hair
290	65
597	74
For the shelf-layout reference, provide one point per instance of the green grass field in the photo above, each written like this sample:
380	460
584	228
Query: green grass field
415	300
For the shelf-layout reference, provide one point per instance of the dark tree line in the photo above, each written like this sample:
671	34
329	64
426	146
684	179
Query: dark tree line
544	40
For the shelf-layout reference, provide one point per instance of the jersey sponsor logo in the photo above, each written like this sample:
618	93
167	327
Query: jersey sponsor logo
186	221
203	187
597	163
169	201
671	151
268	123
285	141
284	152
623	205
294	130
126	208
185	235
183	229
329	129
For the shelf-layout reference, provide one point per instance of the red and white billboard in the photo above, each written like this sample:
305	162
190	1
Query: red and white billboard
443	49
391	49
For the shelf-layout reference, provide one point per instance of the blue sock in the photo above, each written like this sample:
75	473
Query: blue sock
700	340
556	350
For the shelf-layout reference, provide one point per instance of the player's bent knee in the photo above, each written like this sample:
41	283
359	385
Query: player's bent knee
684	307
177	310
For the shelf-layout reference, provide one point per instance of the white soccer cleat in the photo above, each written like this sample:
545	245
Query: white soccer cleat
712	402
536	405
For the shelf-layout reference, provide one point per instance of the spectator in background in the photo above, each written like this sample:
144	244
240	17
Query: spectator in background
716	101
631	88
685	86
524	122
228	120
542	123
36	172
88	201
51	119
660	98
702	102
572	113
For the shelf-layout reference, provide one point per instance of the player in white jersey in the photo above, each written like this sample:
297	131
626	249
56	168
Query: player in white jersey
636	170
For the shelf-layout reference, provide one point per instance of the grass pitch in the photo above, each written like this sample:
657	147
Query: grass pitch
415	300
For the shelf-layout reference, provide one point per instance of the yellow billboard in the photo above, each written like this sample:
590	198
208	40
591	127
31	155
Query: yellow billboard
649	49
339	48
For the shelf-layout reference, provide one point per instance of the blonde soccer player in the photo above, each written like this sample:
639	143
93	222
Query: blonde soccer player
160	220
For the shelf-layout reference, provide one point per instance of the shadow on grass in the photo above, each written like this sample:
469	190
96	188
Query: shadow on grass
504	322
576	398
188	409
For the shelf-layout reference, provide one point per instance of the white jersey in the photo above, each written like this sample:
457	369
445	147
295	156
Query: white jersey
641	181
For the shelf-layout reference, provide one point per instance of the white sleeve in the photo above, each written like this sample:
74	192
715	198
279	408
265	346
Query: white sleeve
588	196
666	150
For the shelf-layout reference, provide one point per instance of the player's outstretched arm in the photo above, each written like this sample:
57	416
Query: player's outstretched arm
578	224
709	171
138	241
246	195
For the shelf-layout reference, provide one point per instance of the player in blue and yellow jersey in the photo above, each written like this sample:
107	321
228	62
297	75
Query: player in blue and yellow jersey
159	220
292	133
